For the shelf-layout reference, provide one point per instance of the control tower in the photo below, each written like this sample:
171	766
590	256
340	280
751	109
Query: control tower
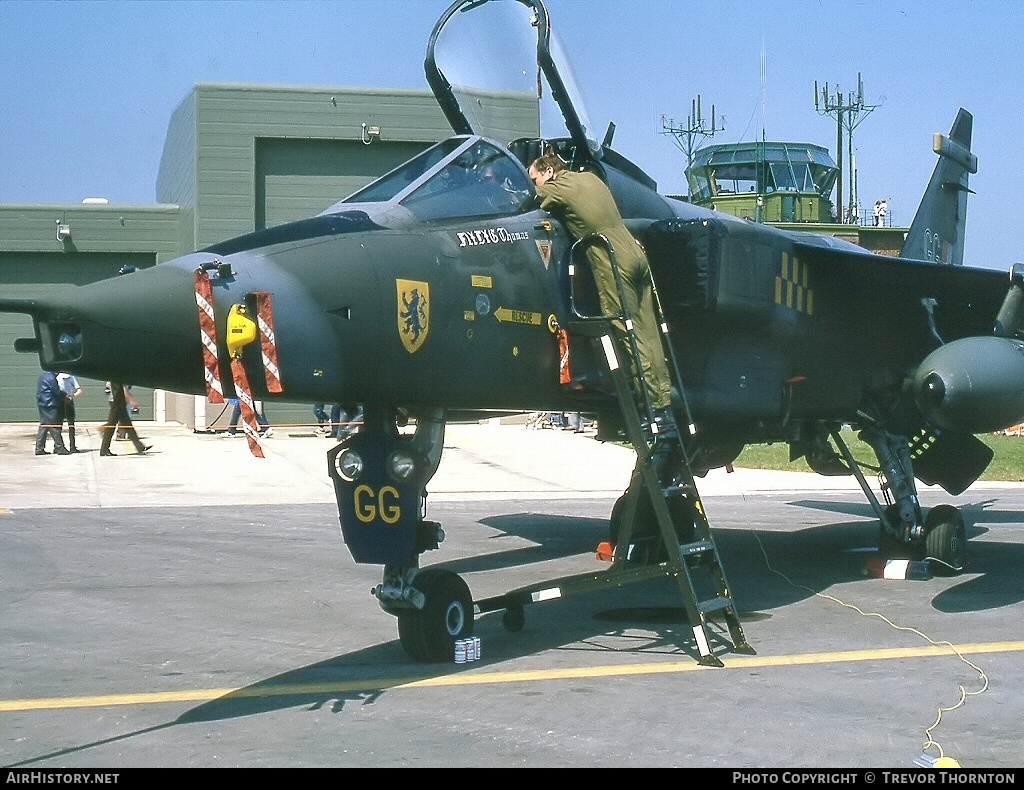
783	184
765	181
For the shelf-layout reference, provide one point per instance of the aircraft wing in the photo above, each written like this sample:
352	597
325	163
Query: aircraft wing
902	308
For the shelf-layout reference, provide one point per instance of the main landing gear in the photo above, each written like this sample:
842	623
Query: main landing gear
940	537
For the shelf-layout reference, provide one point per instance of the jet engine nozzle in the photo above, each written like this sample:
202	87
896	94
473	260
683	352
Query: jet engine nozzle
973	385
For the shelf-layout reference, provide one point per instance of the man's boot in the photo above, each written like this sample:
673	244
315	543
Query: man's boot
41	441
108	434
71	439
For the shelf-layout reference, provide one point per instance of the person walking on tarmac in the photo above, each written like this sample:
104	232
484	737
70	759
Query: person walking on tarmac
322	420
586	205
131	407
118	419
265	430
353	418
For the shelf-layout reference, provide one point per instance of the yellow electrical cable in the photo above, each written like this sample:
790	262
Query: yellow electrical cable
964	693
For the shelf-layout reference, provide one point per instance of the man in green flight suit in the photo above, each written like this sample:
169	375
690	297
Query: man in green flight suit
585	204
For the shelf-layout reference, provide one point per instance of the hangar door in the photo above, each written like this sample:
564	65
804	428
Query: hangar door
297	179
37	274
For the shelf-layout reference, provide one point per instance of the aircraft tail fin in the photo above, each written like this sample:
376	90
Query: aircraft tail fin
937	232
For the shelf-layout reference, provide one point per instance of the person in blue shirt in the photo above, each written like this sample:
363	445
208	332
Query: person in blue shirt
50	401
338	428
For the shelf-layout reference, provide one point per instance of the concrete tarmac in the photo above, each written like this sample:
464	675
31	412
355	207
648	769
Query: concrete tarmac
197	607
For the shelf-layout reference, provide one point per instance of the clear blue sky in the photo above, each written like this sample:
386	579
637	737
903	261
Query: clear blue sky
87	88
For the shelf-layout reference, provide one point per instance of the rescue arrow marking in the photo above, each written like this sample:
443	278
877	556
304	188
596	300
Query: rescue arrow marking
517	316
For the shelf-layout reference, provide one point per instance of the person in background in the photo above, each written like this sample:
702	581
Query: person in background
50	402
321	419
353	419
71	389
118	418
265	429
131	407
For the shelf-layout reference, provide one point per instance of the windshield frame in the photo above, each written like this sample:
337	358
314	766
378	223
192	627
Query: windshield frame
383	183
546	61
412	198
480	178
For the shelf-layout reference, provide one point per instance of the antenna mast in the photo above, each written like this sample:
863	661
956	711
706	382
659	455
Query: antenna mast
849	111
691	138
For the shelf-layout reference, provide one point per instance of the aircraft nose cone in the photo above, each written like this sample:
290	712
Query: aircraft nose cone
141	328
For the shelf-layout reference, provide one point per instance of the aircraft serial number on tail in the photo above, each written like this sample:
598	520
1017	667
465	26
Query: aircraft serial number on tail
936	247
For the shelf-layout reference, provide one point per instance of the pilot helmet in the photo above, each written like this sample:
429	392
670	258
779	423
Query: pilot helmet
127	269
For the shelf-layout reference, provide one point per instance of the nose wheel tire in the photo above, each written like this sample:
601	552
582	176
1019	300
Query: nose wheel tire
429	634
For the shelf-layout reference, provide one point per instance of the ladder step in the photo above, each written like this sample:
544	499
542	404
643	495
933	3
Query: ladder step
666	436
591	327
682	489
714	604
695	548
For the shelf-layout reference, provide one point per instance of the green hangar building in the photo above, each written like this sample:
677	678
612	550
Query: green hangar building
237	158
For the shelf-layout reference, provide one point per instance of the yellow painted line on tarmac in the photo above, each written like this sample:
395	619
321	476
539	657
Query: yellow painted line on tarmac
472	678
731	661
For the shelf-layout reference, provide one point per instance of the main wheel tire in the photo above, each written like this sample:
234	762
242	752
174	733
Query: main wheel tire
945	540
647	540
514	619
429	634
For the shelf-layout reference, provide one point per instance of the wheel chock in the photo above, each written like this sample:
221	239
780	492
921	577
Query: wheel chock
879	568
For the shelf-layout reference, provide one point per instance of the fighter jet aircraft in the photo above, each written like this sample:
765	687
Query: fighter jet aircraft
442	289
